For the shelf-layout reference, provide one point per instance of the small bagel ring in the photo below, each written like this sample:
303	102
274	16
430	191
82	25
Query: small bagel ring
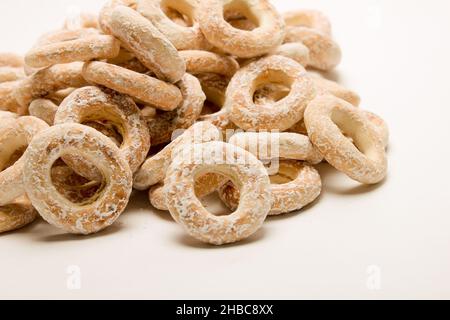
295	186
313	19
296	51
249	174
17	215
92	103
198	61
380	125
163	125
325	86
104	17
81	21
182	37
280	115
8	100
324	53
154	168
14	139
8	74
150	46
82	49
43	109
65	139
11	60
161	95
327	118
272	145
242	43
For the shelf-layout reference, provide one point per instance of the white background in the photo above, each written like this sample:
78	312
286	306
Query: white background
396	55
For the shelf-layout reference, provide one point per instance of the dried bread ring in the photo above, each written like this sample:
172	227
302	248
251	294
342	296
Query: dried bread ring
242	43
154	168
280	115
325	86
198	62
43	109
102	210
274	145
380	125
295	186
163	125
150	46
11	60
49	80
16	215
204	186
182	37
324	53
327	119
95	104
104	17
8	74
82	49
161	95
312	19
14	140
247	172
8	101
296	51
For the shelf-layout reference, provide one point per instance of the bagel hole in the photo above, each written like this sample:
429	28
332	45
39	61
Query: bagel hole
73	187
210	108
108	128
12	151
286	173
177	11
355	131
239	15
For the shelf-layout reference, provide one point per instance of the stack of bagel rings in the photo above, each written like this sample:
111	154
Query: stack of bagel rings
182	99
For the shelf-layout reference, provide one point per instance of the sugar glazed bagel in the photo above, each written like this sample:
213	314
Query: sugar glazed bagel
280	115
16	215
295	186
43	109
160	94
154	168
149	45
162	125
103	209
198	62
247	172
242	43
15	137
94	104
183	37
273	145
327	118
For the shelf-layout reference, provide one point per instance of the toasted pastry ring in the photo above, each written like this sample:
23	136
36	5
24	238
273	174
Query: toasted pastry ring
272	145
380	125
313	19
149	45
11	60
324	53
16	215
44	109
82	49
280	115
242	43
296	51
104	17
295	186
161	95
182	37
14	139
8	101
101	211
163	125
325	86
92	103
249	175
8	74
154	168
198	62
327	119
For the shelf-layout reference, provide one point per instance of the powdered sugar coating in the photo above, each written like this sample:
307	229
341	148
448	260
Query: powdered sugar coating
198	61
43	109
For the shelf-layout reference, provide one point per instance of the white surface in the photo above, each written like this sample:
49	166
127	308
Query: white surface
396	55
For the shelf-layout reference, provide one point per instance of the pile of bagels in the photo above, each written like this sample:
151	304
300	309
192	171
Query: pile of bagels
183	99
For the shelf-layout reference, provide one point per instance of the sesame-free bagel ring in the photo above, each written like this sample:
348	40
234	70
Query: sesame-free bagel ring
104	17
324	53
43	109
296	51
327	119
247	172
280	115
160	94
8	101
101	211
242	43
154	168
14	139
17	215
295	186
274	145
198	61
82	49
94	104
150	46
313	19
163	125
182	37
